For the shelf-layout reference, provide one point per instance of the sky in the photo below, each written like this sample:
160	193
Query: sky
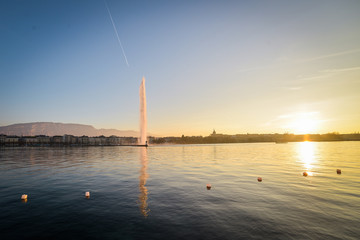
233	66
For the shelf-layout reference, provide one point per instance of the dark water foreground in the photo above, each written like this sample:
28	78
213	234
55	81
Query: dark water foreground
160	192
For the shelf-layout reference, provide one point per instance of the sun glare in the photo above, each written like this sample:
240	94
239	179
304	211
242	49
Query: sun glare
304	123
303	126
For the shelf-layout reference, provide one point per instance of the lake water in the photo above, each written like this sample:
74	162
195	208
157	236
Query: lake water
160	192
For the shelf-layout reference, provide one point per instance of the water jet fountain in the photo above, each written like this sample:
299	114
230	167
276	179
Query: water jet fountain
143	118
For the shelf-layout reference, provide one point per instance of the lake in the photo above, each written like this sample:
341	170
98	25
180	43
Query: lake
160	192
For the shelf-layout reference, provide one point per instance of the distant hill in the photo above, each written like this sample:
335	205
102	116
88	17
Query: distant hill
52	129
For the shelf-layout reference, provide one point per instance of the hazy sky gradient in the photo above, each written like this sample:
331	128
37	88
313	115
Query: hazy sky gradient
236	66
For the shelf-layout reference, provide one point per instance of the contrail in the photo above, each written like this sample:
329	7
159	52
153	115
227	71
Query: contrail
117	35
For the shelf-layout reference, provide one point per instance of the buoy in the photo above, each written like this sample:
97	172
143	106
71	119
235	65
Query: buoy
338	171
259	179
24	197
208	186
87	194
305	174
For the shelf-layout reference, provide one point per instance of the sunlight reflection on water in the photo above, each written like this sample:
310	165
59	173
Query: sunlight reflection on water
306	152
143	196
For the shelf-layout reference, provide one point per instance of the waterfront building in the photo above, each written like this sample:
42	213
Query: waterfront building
2	139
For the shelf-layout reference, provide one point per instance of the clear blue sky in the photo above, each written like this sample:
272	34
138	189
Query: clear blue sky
236	66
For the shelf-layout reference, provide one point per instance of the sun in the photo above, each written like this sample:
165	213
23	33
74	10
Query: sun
303	126
304	123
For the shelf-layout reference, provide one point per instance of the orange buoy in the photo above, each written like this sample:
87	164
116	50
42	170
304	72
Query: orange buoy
208	186
305	174
87	194
24	197
259	179
338	171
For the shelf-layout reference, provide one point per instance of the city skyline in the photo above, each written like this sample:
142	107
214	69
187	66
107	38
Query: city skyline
234	66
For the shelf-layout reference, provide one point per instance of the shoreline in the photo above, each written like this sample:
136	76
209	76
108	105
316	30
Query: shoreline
156	144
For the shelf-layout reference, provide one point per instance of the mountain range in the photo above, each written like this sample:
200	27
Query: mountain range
52	129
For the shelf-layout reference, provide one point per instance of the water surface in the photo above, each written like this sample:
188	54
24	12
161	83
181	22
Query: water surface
160	192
